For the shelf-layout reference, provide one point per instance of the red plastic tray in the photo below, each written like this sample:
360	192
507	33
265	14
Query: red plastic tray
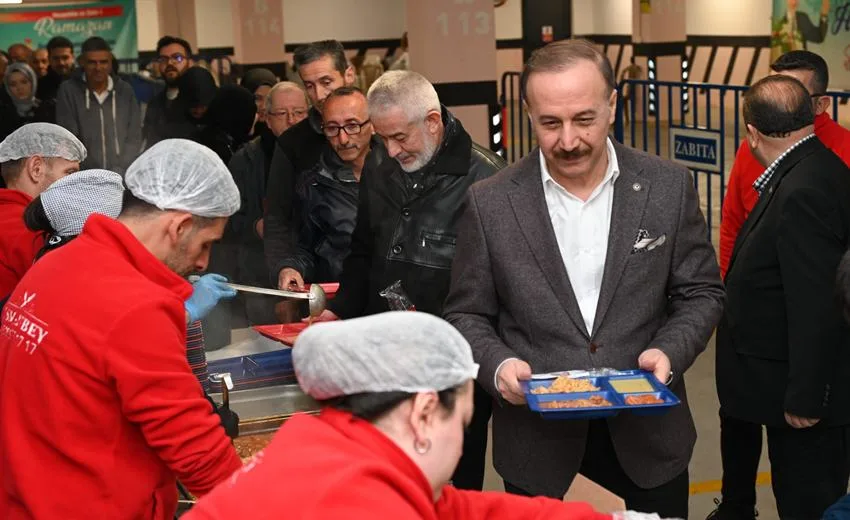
286	333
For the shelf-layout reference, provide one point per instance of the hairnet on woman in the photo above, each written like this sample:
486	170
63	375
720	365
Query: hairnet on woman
396	395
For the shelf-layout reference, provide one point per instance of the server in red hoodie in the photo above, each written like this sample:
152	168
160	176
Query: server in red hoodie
99	410
397	395
31	158
741	441
811	70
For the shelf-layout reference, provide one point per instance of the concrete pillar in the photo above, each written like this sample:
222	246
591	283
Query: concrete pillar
258	31
453	44
177	18
658	29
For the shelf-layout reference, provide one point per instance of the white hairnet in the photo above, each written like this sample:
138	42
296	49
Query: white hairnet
183	175
70	201
44	140
399	351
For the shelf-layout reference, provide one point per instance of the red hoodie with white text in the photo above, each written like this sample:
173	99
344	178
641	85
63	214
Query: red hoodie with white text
99	410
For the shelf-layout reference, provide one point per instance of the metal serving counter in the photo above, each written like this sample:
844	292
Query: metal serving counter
264	393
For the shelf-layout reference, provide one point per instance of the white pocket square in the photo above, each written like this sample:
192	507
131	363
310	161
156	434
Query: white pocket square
645	242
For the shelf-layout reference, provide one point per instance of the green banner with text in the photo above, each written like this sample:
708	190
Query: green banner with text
35	25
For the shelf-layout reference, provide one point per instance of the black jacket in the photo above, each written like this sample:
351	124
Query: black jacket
408	233
165	119
328	193
298	150
48	86
249	167
10	120
782	344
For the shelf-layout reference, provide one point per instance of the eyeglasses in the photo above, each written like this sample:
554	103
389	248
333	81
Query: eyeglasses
350	129
178	59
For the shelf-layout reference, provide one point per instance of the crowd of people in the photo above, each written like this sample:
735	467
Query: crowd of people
583	254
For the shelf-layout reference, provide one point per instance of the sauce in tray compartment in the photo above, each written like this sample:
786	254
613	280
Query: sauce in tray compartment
631	385
591	402
643	399
566	385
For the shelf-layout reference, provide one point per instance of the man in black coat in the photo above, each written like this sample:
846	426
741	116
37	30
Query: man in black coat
407	218
174	57
783	350
329	190
60	56
323	68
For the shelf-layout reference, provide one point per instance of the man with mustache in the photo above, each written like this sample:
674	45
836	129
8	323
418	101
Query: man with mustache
174	58
585	254
329	210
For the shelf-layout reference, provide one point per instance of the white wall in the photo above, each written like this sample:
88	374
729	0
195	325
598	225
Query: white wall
602	16
584	17
728	17
214	23
147	24
613	16
508	20
311	20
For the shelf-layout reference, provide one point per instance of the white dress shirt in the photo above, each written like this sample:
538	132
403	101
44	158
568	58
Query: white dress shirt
581	229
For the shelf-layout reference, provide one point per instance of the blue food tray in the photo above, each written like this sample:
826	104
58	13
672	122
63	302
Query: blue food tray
257	370
606	391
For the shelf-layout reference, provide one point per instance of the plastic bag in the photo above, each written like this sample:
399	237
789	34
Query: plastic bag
397	299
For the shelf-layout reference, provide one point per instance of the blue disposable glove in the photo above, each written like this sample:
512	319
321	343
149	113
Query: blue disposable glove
207	292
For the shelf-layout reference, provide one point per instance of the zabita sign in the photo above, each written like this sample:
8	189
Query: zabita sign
697	149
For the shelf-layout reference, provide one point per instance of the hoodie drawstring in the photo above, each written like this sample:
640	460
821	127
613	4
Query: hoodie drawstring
115	127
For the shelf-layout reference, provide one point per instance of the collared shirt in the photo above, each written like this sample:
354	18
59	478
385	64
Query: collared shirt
101	97
581	229
764	178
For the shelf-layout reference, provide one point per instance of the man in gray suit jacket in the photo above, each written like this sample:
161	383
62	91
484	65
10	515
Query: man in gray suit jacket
585	254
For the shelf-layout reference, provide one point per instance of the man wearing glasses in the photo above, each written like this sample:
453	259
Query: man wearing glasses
174	57
741	442
329	207
285	106
407	220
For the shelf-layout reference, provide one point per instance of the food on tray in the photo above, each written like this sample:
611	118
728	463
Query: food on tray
631	385
643	399
250	445
566	385
597	401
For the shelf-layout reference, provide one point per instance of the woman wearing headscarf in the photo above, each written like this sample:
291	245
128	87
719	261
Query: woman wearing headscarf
396	395
21	106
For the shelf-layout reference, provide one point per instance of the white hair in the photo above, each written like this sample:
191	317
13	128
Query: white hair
404	89
284	86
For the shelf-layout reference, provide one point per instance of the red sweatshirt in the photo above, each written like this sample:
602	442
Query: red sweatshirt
99	411
18	245
338	466
741	198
